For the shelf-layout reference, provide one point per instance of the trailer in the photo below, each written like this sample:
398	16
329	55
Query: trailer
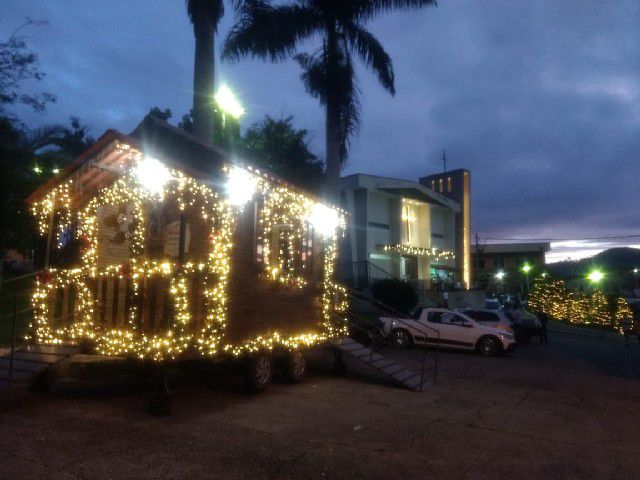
159	247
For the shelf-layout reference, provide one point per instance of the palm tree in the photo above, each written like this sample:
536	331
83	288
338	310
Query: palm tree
273	32
205	16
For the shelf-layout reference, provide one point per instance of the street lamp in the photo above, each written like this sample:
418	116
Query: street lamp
526	268
228	102
635	274
500	274
595	276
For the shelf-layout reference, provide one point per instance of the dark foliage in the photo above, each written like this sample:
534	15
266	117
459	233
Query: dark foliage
396	294
284	150
17	65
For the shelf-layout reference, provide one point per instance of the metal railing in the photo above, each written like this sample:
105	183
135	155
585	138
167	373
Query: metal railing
14	317
402	319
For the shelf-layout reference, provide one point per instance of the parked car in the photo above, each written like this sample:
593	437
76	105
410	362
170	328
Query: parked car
492	304
525	324
490	318
455	329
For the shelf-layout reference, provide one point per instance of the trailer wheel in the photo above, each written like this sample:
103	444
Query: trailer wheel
293	366
258	372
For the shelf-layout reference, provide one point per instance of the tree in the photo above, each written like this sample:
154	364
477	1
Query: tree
205	16
284	150
28	158
17	65
274	32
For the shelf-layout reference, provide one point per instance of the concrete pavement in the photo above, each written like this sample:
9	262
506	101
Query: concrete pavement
566	411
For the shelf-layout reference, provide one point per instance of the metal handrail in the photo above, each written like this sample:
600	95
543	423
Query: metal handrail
398	317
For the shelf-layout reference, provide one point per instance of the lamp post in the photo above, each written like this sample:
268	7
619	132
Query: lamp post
499	276
526	268
635	275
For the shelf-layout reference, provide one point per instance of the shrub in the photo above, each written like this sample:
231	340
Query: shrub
395	293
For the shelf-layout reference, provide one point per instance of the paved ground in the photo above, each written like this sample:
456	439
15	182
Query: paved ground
567	411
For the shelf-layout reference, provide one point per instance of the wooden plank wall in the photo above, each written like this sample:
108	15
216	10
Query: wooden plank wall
260	306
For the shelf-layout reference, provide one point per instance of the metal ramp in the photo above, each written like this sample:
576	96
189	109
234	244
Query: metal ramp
408	378
31	360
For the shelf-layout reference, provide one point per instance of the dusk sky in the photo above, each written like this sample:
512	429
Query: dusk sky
539	100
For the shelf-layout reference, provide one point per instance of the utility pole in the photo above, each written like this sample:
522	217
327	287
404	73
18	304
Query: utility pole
444	161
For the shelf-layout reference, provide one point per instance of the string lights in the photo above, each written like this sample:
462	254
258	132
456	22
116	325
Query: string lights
287	220
434	253
550	297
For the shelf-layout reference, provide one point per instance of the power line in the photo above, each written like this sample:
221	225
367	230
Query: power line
608	237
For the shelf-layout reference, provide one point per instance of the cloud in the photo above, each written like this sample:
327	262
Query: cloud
538	99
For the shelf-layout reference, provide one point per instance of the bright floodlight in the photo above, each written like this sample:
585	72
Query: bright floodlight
526	268
635	270
241	185
500	274
324	220
595	276
228	102
152	175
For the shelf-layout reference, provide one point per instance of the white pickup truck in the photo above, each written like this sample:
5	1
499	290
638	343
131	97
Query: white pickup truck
455	329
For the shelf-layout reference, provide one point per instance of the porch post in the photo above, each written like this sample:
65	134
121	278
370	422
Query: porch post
47	254
181	242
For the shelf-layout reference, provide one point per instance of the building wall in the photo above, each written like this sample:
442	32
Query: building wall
376	219
456	184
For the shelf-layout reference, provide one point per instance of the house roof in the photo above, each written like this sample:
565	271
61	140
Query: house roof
531	247
157	138
397	186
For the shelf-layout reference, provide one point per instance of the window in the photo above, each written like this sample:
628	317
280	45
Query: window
408	220
441	185
481	316
433	185
448	184
446	318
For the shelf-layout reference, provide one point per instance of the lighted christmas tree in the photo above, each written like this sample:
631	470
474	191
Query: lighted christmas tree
599	309
622	311
557	300
577	307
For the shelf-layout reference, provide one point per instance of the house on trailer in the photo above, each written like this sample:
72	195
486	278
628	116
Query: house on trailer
160	246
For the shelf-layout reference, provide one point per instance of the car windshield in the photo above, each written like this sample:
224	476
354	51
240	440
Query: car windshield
482	316
492	305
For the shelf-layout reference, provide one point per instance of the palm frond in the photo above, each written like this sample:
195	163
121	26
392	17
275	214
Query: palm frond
265	31
367	9
212	10
372	53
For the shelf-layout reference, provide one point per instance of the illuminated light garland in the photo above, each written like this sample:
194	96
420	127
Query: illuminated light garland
281	206
57	200
551	297
623	311
434	253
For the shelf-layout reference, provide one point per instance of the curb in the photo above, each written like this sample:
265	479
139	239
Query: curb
585	332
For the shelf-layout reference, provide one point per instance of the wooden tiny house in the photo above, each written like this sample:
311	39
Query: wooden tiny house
159	246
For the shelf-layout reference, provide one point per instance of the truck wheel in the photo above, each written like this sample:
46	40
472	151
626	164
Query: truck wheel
400	338
489	346
294	366
258	371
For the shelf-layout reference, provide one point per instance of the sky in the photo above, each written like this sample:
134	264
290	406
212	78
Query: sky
540	100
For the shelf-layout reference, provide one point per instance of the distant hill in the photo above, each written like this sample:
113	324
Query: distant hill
622	259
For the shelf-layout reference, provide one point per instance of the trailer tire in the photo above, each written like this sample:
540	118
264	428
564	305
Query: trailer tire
294	366
258	371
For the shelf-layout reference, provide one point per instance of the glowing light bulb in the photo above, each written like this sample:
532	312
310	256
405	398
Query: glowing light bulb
595	276
241	185
152	174
228	102
500	275
325	220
